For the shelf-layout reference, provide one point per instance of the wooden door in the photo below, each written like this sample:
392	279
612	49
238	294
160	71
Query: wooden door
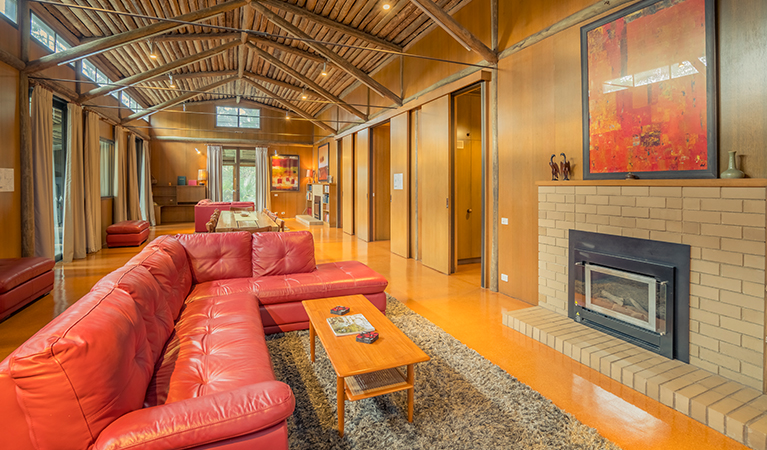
434	184
468	176
380	183
400	187
347	186
362	183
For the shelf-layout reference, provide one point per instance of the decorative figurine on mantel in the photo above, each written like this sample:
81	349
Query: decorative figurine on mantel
554	168
565	166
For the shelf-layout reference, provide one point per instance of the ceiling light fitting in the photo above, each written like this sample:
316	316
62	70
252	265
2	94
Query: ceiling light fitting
386	6
303	94
325	69
172	83
287	115
152	50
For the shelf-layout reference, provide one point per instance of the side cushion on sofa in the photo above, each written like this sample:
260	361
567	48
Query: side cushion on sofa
282	253
218	256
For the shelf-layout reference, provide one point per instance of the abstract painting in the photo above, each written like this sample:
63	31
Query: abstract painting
285	170
323	164
649	92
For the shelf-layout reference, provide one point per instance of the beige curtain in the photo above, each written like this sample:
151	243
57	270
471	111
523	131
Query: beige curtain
119	205
42	170
131	183
215	163
74	189
263	179
147	202
92	175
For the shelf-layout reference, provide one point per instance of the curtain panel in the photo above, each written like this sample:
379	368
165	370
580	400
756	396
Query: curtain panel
147	201
74	189
92	176
263	179
215	163
119	205
132	182
42	170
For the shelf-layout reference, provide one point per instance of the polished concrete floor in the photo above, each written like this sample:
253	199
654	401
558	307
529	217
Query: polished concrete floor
461	307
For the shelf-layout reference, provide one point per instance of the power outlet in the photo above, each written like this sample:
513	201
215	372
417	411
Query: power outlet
504	220
504	277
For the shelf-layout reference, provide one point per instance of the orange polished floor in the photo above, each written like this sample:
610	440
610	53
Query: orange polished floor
461	307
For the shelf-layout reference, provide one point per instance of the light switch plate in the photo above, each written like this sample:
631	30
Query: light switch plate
504	220
504	277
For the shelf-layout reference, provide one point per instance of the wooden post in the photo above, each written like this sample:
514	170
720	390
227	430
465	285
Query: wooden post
25	139
494	156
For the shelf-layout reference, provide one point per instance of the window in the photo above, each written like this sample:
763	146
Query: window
230	116
238	180
107	168
59	173
8	9
93	73
45	35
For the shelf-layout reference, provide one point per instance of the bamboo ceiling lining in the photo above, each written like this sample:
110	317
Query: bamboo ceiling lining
398	26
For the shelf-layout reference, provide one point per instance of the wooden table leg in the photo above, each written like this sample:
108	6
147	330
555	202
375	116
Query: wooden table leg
341	395
411	391
311	341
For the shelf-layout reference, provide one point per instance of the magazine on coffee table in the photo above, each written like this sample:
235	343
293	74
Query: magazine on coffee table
346	325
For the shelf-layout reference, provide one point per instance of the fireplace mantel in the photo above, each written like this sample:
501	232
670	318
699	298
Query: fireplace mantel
704	182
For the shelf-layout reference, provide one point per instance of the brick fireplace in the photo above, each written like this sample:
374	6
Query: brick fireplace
722	221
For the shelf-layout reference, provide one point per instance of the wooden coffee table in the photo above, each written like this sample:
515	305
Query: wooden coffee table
364	370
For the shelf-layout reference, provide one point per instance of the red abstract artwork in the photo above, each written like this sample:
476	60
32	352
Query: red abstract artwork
647	90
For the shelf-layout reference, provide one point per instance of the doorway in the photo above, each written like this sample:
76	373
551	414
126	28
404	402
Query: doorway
467	180
380	141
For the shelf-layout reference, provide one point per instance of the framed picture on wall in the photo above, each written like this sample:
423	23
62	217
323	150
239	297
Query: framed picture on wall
285	169
323	163
649	92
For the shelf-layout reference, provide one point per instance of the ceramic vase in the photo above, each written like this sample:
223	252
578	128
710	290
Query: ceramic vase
732	171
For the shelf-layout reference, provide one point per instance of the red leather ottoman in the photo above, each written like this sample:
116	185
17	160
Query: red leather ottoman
129	233
22	281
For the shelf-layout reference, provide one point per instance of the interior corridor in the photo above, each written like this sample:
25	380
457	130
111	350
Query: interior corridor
458	305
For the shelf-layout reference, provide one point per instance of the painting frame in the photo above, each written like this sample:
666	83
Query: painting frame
662	151
285	174
323	162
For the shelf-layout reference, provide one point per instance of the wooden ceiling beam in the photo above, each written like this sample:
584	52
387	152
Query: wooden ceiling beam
247	15
343	64
127	37
175	101
193	75
306	81
287	49
281	84
332	24
180	37
456	30
286	103
157	71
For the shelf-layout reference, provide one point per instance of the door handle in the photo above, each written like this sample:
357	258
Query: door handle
468	211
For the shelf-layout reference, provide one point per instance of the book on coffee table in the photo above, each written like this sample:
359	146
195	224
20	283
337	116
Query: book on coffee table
346	325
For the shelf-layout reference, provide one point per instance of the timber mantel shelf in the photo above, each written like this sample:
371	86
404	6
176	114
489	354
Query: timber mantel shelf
705	182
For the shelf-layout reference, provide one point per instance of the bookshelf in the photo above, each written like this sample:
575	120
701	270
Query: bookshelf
325	195
177	202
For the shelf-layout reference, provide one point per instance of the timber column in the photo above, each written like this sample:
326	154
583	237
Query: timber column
25	139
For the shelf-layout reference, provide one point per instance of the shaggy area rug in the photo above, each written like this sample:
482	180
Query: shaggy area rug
462	401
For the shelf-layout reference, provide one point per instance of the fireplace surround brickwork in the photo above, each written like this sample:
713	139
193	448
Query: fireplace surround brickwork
725	228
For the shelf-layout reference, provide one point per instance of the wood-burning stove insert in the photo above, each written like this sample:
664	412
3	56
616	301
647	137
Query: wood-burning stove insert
634	289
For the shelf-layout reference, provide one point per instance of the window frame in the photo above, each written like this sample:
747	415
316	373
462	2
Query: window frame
239	117
13	20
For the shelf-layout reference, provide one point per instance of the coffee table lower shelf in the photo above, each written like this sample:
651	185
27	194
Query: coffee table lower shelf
373	384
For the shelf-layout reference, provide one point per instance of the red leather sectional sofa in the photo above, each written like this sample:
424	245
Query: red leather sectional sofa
204	208
169	351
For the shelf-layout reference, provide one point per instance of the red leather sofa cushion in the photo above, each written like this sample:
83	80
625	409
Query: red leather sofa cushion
282	253
15	271
100	341
218	256
25	293
128	227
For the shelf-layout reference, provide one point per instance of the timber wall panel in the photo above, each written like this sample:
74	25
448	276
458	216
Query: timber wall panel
348	190
381	182
362	185
400	202
10	158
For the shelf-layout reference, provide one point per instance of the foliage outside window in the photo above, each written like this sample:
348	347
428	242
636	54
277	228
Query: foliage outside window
46	36
107	165
92	72
230	116
238	180
8	9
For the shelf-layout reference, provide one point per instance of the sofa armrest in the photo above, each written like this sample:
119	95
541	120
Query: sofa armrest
200	420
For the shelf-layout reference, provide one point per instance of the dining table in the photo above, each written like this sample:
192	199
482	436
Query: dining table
245	221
